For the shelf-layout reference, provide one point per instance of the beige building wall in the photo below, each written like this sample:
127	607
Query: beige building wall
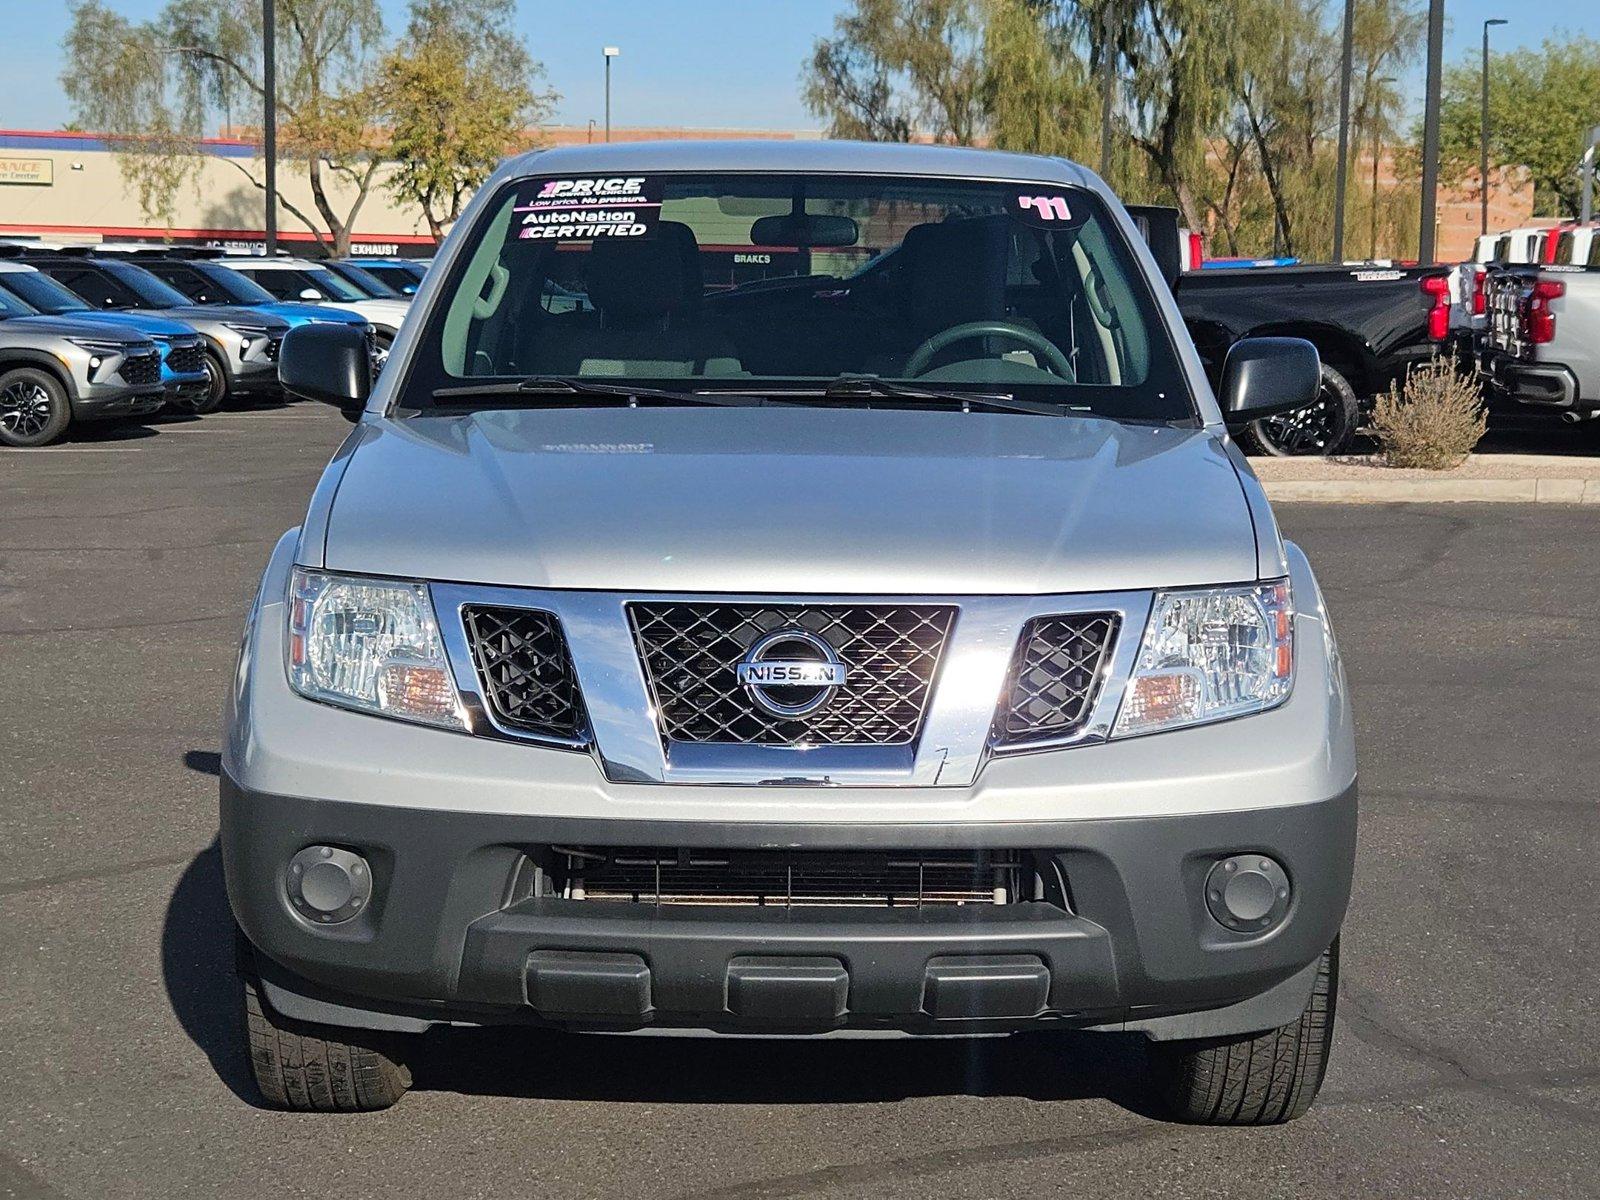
86	198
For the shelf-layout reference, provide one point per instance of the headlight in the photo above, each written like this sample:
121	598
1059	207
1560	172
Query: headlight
254	331
369	644
99	346
1210	654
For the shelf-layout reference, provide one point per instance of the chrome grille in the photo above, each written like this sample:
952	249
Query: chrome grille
790	878
525	670
185	358
691	652
1056	673
141	368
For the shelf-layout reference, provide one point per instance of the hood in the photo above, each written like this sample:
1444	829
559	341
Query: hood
210	314
379	312
143	322
791	500
305	314
86	327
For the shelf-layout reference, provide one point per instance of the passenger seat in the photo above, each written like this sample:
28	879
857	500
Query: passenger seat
647	292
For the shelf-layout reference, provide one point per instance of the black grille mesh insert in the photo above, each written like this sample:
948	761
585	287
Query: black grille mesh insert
691	652
139	369
791	878
185	358
525	669
1055	676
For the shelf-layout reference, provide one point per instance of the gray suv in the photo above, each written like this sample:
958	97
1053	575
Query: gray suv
57	370
853	618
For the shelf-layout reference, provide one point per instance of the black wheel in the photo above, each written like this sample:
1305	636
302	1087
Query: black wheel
1265	1079
1325	426
382	341
199	402
34	408
311	1068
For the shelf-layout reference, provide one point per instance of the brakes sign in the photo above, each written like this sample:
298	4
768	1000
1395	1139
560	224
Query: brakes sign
612	206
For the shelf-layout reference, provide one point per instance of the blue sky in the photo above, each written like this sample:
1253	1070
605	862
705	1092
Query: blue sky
684	62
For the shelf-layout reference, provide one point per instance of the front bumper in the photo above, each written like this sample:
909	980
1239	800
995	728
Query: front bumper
443	940
447	822
101	401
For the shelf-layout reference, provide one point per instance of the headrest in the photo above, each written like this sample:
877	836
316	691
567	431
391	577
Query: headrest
651	276
956	271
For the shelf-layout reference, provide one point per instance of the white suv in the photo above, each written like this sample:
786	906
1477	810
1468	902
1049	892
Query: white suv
301	280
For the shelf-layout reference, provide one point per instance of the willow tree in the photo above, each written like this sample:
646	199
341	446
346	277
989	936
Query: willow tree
460	93
156	87
894	70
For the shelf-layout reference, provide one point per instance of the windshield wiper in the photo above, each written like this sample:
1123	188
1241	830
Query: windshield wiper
851	387
534	386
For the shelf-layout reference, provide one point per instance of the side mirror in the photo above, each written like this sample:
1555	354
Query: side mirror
1268	376
310	294
328	363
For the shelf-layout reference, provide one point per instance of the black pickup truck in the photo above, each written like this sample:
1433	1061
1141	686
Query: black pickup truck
1369	323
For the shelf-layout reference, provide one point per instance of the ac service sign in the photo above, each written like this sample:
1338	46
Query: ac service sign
585	210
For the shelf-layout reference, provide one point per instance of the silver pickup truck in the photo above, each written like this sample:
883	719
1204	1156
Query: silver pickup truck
1541	342
853	619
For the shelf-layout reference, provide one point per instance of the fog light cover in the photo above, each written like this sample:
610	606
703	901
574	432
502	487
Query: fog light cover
327	885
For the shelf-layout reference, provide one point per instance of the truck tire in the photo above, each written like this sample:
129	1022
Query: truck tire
1262	1079
1326	426
34	407
216	388
310	1068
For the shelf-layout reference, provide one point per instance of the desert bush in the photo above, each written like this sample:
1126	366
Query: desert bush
1433	420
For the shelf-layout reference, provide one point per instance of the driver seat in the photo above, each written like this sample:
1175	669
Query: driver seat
955	272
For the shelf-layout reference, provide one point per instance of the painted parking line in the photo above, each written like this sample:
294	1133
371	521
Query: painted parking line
47	450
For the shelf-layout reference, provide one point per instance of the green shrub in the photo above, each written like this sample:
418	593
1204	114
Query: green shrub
1434	420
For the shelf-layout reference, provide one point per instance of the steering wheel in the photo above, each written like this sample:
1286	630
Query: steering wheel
1031	338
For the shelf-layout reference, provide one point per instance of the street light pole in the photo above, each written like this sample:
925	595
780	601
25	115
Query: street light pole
1106	85
269	124
1339	178
610	53
1483	134
1427	235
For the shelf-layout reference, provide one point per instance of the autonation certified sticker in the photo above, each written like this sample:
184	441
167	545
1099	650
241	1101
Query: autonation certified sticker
583	210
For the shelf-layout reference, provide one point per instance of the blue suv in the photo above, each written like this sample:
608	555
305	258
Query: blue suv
183	373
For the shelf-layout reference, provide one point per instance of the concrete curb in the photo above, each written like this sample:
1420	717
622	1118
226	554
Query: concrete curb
1435	491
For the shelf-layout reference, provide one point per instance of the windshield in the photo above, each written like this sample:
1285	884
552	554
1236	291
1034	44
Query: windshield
770	283
402	279
365	282
151	292
330	285
10	306
203	283
41	292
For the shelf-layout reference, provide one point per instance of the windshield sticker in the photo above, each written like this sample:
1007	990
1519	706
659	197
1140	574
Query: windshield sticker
1045	212
583	210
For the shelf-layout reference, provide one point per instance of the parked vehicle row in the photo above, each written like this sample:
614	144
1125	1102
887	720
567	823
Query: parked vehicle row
1534	328
1370	324
213	328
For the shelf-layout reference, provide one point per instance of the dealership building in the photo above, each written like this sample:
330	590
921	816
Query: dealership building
68	187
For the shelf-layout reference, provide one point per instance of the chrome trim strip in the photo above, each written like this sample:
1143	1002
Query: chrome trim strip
955	740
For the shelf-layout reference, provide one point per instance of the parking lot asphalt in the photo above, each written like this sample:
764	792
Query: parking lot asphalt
1466	1062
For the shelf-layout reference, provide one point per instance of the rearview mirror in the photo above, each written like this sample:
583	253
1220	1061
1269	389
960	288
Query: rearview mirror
327	363
310	294
804	229
1268	376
